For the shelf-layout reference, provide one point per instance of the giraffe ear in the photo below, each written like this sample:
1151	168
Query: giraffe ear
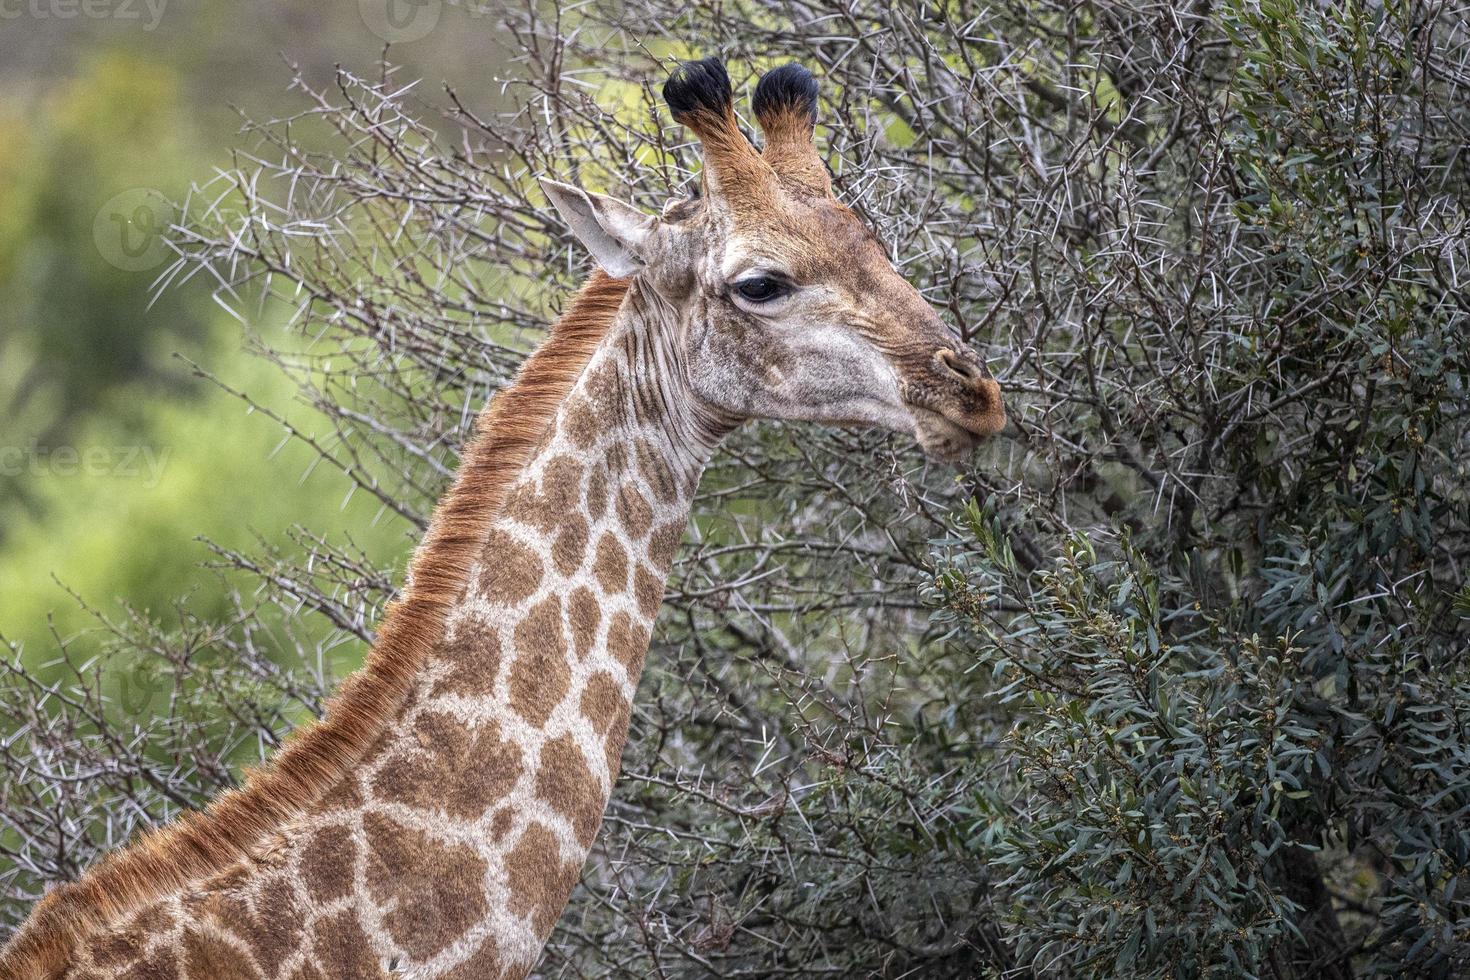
616	234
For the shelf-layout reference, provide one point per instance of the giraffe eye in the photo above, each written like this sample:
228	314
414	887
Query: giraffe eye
761	289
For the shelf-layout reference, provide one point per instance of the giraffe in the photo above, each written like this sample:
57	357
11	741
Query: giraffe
434	822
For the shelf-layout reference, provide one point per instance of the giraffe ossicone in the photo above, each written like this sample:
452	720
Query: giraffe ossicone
436	820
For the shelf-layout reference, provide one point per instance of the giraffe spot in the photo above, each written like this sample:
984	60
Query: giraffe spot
347	795
342	949
616	459
611	565
437	889
223	901
485	964
561	481
603	703
559	494
161	964
326	864
597	493
633	510
117	948
155	919
656	472
523	504
511	570
308	972
571	544
627	643
208	956
564	780
585	616
500	823
474	661
124	945
579	423
276	926
605	707
540	675
459	769
605	390
664	545
540	882
648	589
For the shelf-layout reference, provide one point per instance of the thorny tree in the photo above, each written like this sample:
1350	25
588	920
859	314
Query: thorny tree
1192	699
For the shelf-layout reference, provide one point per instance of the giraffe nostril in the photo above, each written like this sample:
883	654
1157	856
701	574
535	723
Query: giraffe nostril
966	370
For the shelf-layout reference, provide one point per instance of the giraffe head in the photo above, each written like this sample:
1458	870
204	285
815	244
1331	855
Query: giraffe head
782	302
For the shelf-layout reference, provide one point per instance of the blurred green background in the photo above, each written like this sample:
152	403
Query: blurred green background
116	460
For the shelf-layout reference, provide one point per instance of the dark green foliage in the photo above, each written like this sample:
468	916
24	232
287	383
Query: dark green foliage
1239	710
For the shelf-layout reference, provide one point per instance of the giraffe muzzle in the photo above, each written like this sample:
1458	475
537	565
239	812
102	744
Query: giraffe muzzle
955	403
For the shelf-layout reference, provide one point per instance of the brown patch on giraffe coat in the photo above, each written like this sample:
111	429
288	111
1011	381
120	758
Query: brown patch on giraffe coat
501	822
438	887
561	483
474	659
540	881
308	972
130	941
648	589
161	964
117	948
559	494
656	472
611	565
540	675
604	390
663	545
627	643
485	964
597	493
584	616
579	423
342	949
459	769
326	864
223	901
616	460
633	510
345	795
571	544
605	707
208	956
564	780
511	570
276	926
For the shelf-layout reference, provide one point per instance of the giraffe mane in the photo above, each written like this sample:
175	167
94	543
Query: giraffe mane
204	842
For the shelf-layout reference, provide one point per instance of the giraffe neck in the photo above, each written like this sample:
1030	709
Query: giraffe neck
478	808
